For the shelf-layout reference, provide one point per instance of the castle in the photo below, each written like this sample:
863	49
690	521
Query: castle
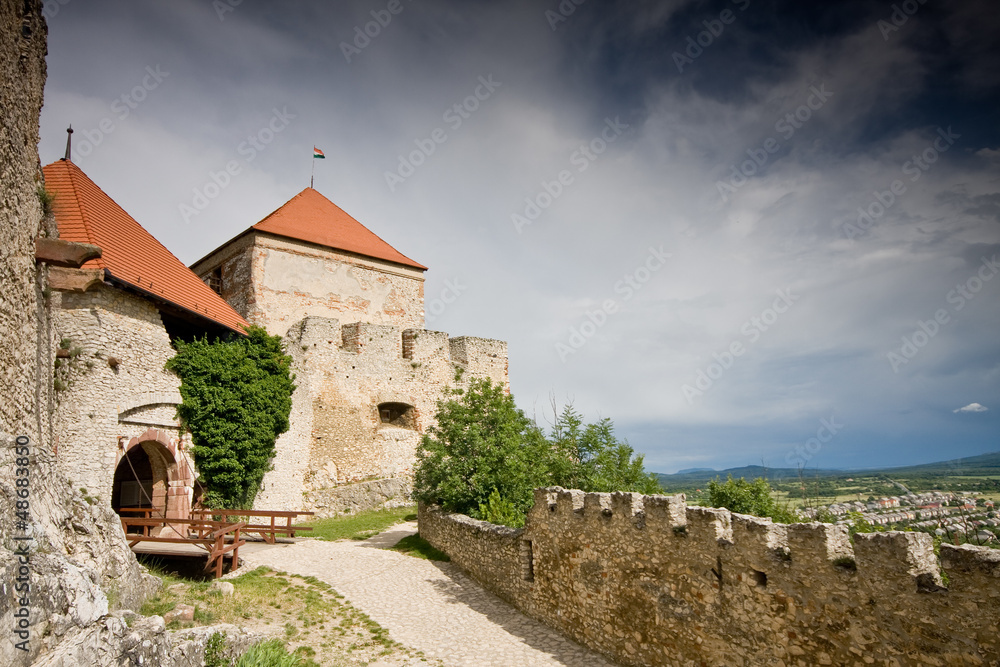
349	306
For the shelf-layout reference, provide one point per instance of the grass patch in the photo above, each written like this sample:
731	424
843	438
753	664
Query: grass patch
271	653
414	545
360	526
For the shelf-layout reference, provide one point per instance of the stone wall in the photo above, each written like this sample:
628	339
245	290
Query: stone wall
113	389
65	557
67	577
25	341
361	496
274	282
343	374
647	580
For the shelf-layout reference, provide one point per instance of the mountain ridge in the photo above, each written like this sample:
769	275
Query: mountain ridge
982	464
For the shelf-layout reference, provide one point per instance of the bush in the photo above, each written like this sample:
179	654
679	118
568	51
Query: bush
270	653
481	444
501	511
591	458
743	497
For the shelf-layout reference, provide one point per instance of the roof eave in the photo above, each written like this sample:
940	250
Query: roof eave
159	299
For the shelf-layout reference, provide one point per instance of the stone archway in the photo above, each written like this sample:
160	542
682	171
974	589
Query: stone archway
153	471
133	482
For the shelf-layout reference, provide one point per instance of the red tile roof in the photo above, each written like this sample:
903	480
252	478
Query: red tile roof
311	217
84	213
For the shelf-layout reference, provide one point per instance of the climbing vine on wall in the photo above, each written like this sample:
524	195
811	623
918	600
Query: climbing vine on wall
237	395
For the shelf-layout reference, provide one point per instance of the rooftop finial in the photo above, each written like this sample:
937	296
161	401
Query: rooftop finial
69	141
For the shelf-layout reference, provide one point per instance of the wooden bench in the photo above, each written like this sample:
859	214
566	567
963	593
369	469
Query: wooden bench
268	531
217	538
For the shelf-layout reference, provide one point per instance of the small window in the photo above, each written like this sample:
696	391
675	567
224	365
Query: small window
397	414
214	280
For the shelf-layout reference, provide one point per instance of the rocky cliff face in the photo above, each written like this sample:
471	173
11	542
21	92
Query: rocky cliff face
67	576
63	557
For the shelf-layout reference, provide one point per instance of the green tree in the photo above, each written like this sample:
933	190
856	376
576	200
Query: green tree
590	457
743	497
484	457
481	443
237	395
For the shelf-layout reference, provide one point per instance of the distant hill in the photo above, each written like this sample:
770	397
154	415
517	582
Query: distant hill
984	464
696	477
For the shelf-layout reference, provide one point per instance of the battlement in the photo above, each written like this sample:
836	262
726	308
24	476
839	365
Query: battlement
894	555
476	355
626	573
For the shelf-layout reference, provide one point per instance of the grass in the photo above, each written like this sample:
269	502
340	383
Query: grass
418	547
270	653
360	526
309	623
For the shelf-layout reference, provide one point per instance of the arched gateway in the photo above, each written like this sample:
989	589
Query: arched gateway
151	473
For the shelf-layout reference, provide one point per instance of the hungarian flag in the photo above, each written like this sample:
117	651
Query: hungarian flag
317	153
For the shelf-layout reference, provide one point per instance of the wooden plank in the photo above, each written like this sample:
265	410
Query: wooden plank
276	513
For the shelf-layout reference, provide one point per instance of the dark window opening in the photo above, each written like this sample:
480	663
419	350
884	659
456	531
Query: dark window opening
397	414
214	280
527	561
760	578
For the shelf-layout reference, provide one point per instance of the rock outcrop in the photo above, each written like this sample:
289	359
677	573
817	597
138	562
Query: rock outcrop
67	576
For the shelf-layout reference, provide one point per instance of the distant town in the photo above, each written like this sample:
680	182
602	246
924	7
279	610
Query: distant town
957	517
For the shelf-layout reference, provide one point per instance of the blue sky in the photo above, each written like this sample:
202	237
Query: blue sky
724	225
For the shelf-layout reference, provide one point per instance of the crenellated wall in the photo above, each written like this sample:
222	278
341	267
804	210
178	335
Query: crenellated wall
337	453
647	580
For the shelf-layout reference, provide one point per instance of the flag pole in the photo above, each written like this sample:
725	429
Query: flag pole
313	174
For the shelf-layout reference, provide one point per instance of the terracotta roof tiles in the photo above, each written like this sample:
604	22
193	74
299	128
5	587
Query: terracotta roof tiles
84	213
311	217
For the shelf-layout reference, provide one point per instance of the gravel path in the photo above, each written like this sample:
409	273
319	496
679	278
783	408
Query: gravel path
427	605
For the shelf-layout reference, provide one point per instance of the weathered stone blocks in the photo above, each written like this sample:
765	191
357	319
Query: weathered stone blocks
730	589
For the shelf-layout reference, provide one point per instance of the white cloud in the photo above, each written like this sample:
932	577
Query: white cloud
973	407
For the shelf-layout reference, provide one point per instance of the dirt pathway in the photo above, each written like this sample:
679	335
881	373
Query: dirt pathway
429	606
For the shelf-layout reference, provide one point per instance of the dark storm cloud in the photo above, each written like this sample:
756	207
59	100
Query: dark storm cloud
765	163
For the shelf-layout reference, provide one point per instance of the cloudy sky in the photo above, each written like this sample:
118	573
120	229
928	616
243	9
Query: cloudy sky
747	231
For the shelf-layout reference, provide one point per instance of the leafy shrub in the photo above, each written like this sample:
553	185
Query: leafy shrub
270	653
500	511
481	443
215	651
743	497
590	457
484	457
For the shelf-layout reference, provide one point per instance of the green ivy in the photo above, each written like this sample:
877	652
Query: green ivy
237	395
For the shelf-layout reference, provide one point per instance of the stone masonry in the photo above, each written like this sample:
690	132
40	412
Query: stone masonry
25	338
342	452
274	282
647	580
114	394
67	577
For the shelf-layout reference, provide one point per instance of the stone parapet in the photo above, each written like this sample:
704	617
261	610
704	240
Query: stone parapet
647	580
